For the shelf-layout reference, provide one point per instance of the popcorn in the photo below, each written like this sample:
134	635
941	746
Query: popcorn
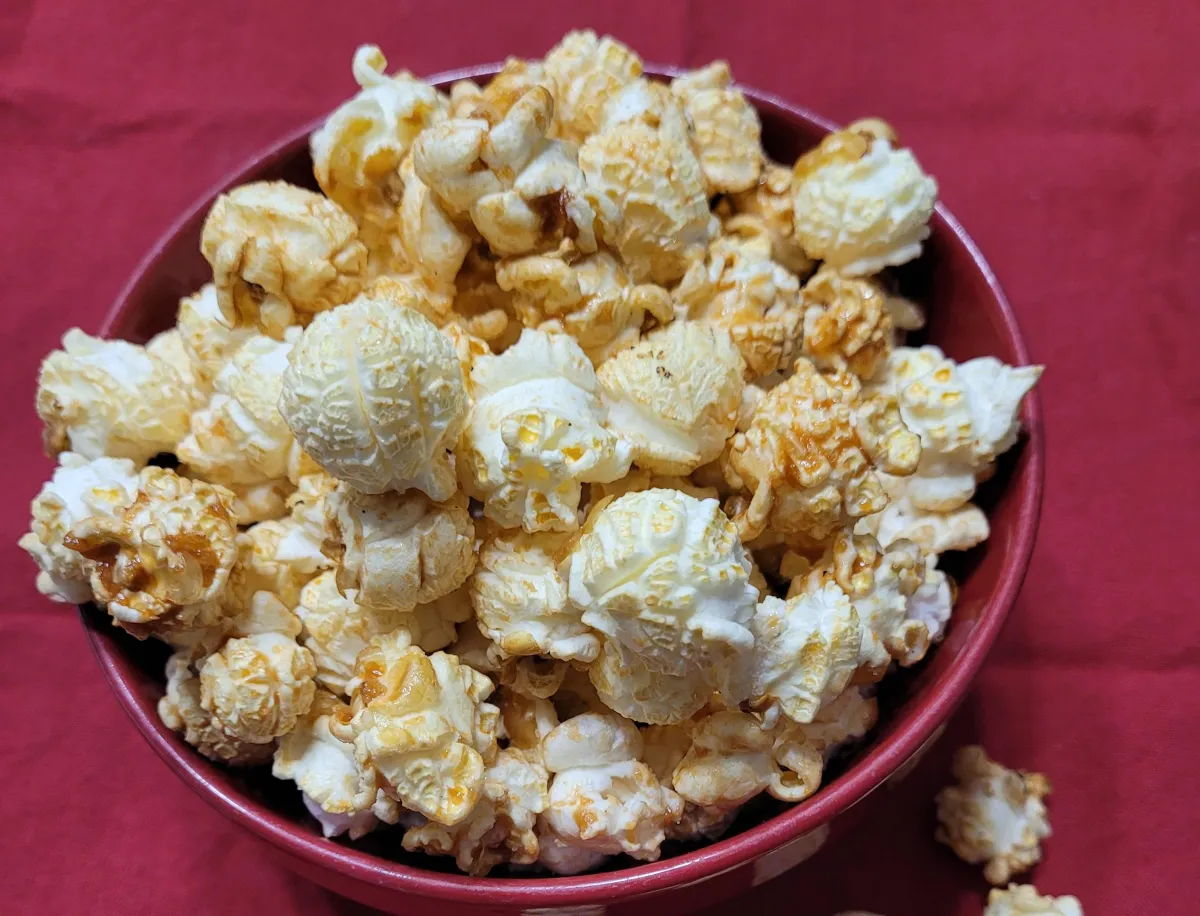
966	415
357	152
728	763
104	488
933	532
494	100
860	203
585	72
664	574
590	298
208	341
767	208
806	651
399	549
420	722
674	396
240	438
376	396
108	397
162	564
521	601
625	683
280	254
739	288
180	710
500	828
324	769
560	858
536	434
801	751
525	721
602	797
847	324
803	460
481	307
994	816
259	566
429	243
725	130
1024	900
648	193
637	480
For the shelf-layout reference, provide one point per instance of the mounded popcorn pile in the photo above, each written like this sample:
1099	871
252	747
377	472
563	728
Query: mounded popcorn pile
553	484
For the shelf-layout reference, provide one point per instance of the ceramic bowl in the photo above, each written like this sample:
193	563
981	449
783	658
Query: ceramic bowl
968	316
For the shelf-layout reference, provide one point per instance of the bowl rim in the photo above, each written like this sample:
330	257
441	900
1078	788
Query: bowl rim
861	778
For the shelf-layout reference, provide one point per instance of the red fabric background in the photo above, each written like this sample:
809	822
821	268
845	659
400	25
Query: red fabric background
1064	136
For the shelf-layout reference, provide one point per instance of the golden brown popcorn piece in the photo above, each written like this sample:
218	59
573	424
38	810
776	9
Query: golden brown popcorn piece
585	72
430	243
281	254
206	338
803	750
768	208
994	816
493	101
725	130
847	323
1024	900
481	306
162	565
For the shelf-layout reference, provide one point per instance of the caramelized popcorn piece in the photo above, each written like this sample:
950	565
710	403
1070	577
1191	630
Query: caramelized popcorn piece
625	683
357	152
421	724
806	651
648	193
500	828
399	549
728	763
493	101
239	438
480	306
207	340
933	532
803	460
590	298
161	566
280	254
585	72
966	416
108	397
324	769
79	489
602	797
376	396
994	815
739	288
847	324
180	710
674	396
1024	900
860	203
725	130
767	208
665	575
521	601
536	434
801	751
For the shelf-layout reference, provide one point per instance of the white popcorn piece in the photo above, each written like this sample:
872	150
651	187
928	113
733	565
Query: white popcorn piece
674	396
847	323
584	73
256	687
637	480
560	858
357	152
652	104
726	133
602	797
280	254
493	101
501	827
521	601
429	243
399	550
162	565
255	502
1025	900
207	339
861	203
802	751
806	651
739	288
625	683
376	396
994	816
102	487
259	567
536	434
240	438
934	532
108	397
180	710
665	575
421	727
728	762
665	747
591	298
966	415
324	768
767	208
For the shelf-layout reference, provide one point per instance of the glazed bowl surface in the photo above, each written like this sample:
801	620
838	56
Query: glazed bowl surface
968	317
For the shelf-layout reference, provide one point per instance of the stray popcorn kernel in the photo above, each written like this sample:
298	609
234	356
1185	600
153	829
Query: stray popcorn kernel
1024	900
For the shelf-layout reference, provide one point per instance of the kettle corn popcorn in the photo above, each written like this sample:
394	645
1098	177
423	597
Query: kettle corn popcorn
1024	900
553	486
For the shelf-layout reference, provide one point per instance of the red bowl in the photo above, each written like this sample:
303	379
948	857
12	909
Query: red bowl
969	316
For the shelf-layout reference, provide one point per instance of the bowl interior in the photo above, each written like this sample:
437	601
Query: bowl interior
968	317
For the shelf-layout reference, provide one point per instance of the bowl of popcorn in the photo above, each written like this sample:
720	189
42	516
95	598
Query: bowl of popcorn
556	485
